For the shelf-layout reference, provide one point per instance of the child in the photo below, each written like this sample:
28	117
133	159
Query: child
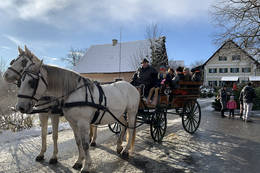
231	105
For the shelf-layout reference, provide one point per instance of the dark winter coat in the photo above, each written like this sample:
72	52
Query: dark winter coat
196	76
146	76
176	79
247	94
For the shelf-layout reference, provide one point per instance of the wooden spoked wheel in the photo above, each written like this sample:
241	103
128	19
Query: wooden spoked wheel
191	116
158	125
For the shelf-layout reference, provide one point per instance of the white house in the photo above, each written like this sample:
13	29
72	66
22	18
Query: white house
110	62
230	63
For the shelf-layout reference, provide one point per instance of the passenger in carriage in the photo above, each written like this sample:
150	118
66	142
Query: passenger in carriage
146	75
170	73
187	74
178	76
196	74
163	78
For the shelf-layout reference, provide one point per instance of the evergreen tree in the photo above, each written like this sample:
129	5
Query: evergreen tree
159	55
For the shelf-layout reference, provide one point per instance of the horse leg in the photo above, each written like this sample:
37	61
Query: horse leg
131	134
90	133
78	164
55	125
83	131
93	138
44	123
119	147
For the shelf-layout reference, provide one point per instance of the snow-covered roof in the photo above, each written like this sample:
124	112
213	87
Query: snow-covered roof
105	58
229	78
254	78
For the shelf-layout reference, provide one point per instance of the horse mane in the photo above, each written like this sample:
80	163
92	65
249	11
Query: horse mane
63	81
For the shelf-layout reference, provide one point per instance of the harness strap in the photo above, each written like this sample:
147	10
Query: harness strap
97	113
15	71
102	94
27	97
97	106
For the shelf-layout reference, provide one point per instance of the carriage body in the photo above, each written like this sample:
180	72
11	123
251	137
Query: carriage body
184	101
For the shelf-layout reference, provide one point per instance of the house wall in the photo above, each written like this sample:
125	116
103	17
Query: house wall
228	51
109	77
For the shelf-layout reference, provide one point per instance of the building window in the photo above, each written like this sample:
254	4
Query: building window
222	58
212	70
234	70
213	83
236	58
246	70
223	70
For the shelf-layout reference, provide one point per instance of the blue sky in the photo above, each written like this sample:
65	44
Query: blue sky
51	27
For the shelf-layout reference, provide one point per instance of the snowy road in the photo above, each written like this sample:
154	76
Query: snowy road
220	145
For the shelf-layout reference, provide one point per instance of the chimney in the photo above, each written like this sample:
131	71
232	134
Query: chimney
114	42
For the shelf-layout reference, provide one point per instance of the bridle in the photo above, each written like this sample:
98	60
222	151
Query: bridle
34	83
17	72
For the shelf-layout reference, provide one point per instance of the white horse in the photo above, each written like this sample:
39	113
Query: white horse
13	75
121	97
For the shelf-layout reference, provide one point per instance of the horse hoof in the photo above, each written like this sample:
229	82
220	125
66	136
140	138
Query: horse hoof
93	144
77	166
53	161
39	158
83	171
118	150
125	155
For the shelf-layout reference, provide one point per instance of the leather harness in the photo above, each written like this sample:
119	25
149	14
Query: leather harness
60	104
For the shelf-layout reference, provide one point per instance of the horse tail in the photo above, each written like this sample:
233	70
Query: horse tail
133	137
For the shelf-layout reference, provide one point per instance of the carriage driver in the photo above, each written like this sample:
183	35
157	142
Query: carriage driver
146	75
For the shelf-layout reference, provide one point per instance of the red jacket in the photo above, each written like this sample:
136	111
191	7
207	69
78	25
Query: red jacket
232	104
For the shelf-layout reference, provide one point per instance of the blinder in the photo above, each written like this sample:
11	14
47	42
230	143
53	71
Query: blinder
34	82
11	63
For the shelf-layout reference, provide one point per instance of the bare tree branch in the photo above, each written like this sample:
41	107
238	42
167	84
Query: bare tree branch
238	20
74	56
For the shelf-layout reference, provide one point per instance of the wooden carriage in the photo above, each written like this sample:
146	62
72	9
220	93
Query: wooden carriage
183	100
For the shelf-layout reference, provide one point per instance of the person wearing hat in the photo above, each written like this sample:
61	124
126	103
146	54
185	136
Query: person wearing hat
179	76
146	75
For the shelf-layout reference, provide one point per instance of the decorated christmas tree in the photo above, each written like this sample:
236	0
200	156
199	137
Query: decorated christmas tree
159	55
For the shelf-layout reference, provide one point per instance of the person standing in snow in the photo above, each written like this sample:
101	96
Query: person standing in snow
248	95
223	100
231	105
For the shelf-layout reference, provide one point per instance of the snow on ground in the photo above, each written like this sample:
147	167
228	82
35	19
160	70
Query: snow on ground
9	136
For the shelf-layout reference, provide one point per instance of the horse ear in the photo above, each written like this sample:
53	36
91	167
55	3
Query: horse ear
20	50
27	51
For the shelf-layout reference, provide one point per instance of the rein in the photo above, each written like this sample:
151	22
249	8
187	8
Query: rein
61	103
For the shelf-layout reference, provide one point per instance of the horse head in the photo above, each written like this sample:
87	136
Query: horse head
33	86
19	64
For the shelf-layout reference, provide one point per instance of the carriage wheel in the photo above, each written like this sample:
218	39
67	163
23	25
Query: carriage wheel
158	125
191	116
115	127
